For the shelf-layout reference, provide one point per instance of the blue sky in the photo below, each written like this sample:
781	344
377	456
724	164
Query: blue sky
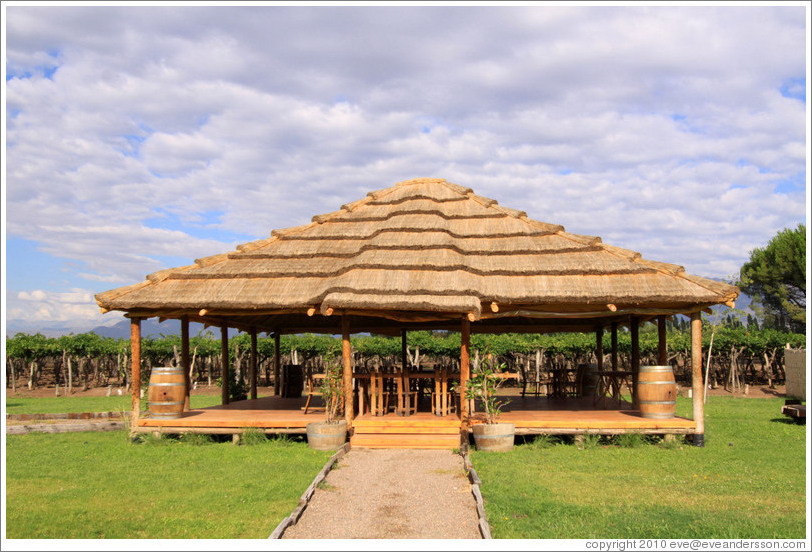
140	138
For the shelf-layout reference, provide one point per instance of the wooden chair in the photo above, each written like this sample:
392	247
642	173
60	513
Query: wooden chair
443	398
312	387
409	391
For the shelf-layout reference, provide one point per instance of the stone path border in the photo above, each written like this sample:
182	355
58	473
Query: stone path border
484	528
293	518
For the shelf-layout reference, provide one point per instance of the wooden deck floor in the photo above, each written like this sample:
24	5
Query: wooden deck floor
530	415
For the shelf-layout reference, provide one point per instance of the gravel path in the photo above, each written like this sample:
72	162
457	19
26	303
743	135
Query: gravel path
391	494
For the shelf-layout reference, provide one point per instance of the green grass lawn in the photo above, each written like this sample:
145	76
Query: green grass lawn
747	482
99	485
114	403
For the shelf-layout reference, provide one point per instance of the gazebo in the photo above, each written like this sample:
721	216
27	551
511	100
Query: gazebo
424	254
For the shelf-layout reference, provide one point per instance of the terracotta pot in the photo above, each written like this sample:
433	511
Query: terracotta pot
324	436
494	437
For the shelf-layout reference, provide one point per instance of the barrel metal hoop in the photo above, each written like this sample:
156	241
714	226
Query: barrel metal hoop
164	403
658	402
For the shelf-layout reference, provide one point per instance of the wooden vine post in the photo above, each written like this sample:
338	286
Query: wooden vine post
135	349
697	387
599	348
346	359
614	346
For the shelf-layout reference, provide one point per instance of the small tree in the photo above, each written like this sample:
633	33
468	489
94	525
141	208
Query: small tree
332	390
483	384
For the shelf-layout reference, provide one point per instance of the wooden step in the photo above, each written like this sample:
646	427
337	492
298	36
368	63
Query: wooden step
382	428
405	440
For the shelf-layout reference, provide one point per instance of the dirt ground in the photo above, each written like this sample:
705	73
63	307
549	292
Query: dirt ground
392	494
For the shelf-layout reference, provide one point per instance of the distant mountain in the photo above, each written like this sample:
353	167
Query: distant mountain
151	328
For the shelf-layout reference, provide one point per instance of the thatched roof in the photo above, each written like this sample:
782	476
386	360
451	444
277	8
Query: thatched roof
424	250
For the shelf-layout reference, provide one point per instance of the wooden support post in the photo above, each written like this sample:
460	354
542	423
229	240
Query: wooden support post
404	356
614	346
634	327
224	369
662	346
697	387
346	358
465	368
599	347
252	368
135	380
277	363
184	359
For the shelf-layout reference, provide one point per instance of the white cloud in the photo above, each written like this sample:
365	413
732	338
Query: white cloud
661	129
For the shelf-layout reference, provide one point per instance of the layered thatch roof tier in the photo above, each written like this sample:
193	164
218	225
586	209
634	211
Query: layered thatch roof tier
423	252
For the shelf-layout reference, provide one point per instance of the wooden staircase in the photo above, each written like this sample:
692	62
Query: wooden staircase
419	431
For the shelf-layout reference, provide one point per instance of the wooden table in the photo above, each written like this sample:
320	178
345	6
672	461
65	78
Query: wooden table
373	383
613	380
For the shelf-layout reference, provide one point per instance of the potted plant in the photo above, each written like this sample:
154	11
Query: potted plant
483	383
332	432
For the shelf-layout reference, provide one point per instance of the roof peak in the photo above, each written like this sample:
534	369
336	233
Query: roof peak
418	181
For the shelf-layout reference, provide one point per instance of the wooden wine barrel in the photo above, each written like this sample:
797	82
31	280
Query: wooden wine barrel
167	392
656	392
324	436
496	437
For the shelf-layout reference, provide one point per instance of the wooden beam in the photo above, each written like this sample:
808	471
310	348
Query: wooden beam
277	362
346	359
135	374
634	328
224	369
494	306
662	346
697	384
252	367
465	368
611	307
184	359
